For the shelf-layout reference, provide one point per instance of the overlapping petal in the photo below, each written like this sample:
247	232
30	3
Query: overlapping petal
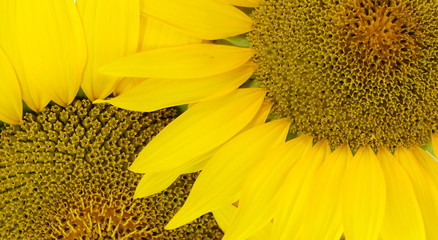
364	196
225	215
202	128
154	94
257	202
205	19
294	192
155	34
222	177
50	64
403	219
242	3
156	182
322	218
428	162
424	187
152	183
112	31
184	62
10	99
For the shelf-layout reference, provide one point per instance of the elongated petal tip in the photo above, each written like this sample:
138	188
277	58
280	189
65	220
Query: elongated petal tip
183	62
185	138
154	94
206	19
10	98
403	219
220	182
100	101
112	31
364	196
52	62
152	183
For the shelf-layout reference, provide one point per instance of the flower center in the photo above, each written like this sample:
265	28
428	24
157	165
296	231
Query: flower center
64	176
362	72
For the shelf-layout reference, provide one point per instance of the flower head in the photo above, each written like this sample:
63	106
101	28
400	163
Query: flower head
64	176
354	80
63	169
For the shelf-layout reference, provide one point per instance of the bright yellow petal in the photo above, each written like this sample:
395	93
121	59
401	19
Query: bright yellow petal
206	19
152	183
51	50
10	100
155	34
323	218
364	196
190	61
112	31
260	117
199	130
222	177
428	162
424	187
403	219
258	198
242	3
9	32
224	216
155	182
153	94
295	192
126	84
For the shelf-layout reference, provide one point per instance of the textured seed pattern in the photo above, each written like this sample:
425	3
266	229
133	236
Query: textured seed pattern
362	72
64	176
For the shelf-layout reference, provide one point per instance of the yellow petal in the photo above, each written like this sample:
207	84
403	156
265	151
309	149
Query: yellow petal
155	34
152	183
153	94
323	218
295	192
206	19
9	32
126	84
199	130
10	100
403	219
112	31
224	216
190	61
242	3
424	187
51	50
364	196
258	201
434	138
222	177
260	117
428	162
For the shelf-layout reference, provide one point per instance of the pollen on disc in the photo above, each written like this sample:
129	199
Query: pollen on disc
362	72
64	176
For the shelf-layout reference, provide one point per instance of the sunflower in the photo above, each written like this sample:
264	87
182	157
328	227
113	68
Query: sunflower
64	176
63	167
351	85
